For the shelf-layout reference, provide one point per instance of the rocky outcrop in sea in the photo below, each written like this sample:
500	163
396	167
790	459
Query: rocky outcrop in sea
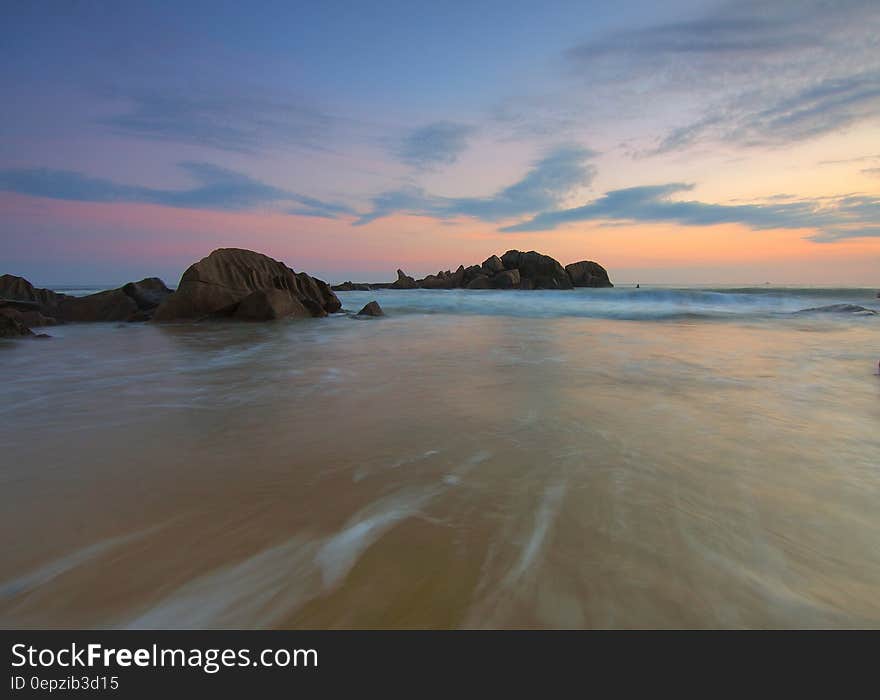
230	283
513	270
242	285
32	306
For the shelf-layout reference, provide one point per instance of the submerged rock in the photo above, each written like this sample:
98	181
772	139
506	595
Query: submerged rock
371	309
217	285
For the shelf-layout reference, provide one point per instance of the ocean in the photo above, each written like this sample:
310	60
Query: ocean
608	458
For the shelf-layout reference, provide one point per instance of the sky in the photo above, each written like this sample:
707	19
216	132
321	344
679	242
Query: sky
683	142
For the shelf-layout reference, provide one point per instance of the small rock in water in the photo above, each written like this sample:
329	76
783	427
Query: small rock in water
371	309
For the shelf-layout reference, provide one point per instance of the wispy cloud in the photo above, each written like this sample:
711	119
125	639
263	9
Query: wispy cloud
872	172
751	72
549	181
533	117
832	219
730	31
232	123
217	188
823	107
843	161
833	235
440	143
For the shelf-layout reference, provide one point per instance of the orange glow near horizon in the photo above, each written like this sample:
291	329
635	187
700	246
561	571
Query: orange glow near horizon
168	237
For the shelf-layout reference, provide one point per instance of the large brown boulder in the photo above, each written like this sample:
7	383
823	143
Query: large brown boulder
217	284
587	273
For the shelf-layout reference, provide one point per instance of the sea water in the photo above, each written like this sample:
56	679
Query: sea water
589	458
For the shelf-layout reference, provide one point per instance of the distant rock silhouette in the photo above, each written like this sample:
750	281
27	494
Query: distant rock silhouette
513	270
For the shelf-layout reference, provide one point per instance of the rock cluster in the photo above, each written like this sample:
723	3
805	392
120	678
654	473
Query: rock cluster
136	301
513	270
229	283
243	285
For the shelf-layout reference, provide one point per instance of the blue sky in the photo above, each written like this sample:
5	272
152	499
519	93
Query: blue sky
349	138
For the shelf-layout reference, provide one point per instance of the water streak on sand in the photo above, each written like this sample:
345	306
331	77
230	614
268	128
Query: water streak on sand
265	588
49	571
546	513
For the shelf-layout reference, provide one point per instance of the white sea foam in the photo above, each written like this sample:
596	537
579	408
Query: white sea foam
647	303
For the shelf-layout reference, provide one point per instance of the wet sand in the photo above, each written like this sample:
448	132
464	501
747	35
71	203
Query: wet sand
443	471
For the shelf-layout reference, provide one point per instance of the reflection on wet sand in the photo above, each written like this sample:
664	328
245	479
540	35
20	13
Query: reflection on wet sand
443	471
